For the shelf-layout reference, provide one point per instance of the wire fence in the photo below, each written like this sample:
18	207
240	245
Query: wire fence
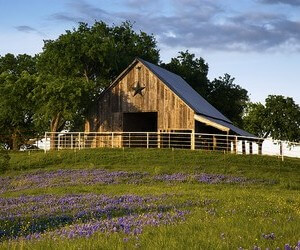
194	141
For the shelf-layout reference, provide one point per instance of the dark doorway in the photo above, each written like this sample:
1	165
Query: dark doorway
140	122
135	123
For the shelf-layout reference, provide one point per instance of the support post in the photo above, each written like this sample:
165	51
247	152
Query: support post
281	151
244	147
214	142
227	142
45	143
71	141
58	142
158	139
147	139
260	147
129	139
193	141
235	146
79	141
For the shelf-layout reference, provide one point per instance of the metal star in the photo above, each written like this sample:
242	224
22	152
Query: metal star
138	89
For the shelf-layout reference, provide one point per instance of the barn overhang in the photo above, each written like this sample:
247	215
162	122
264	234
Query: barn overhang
223	126
208	122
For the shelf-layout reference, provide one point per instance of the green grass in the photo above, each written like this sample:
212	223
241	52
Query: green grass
241	213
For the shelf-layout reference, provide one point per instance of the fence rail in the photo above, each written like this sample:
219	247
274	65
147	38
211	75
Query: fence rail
218	142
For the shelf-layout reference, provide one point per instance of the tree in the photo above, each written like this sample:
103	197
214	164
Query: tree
60	99
98	53
254	119
192	70
76	67
17	81
229	98
279	118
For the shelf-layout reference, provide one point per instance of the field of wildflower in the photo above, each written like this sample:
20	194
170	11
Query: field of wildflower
149	199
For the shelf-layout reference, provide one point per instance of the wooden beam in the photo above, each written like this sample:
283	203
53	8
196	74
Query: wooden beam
202	119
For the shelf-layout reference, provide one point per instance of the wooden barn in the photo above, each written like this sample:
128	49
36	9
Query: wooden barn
148	98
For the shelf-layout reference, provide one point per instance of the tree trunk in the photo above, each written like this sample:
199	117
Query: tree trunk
260	143
54	129
15	141
86	75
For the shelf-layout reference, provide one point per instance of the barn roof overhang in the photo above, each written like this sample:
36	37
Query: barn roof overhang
223	126
208	122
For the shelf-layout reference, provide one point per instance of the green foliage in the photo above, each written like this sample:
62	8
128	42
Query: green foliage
255	118
229	98
278	118
61	98
17	81
15	65
98	53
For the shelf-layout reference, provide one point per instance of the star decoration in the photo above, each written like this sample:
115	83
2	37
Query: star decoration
138	89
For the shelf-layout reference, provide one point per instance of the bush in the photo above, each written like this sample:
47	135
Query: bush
4	160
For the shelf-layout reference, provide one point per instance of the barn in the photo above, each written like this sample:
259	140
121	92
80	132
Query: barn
148	98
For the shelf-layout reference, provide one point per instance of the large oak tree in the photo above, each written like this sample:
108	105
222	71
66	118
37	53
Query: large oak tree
76	67
279	118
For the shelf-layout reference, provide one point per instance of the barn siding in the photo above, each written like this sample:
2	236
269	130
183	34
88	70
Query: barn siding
173	113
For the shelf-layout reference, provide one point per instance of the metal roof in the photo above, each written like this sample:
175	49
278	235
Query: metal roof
186	92
182	89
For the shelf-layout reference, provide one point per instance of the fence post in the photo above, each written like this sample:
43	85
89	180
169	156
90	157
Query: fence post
227	142
281	151
45	143
72	141
214	142
243	147
158	143
79	141
129	139
193	141
112	139
58	142
236	145
83	142
147	139
260	147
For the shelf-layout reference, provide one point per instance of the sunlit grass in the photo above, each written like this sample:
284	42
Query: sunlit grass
242	215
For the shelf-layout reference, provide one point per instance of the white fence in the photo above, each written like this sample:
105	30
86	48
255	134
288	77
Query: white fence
194	141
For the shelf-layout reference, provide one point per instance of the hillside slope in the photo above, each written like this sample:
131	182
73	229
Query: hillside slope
148	199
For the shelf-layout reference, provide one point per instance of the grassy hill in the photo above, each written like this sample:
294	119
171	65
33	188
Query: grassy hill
148	199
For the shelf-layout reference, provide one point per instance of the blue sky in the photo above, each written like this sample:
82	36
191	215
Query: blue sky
256	41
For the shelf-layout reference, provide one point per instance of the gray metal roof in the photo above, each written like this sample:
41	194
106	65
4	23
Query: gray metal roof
192	98
186	92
